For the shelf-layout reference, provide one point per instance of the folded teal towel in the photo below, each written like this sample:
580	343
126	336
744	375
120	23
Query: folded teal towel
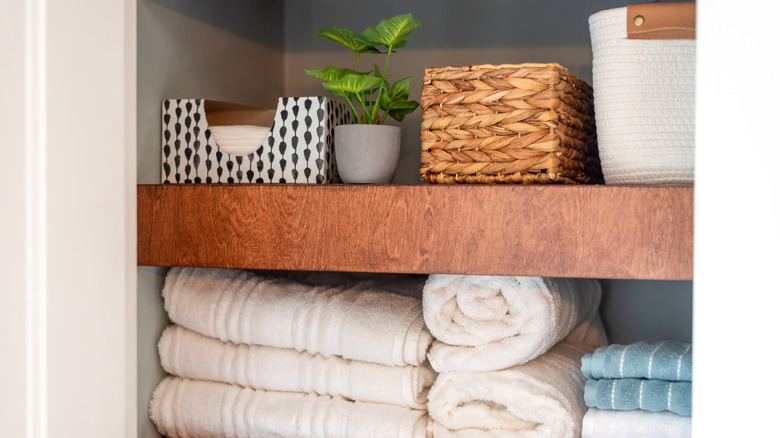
665	360
648	395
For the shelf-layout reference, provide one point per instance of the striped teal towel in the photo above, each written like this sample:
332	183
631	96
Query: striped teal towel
665	360
630	394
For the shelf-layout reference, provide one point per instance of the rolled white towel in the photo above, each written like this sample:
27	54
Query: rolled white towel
243	307
189	354
541	398
635	424
484	323
194	408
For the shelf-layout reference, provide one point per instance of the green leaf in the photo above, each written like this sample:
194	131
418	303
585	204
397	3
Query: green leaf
395	102
332	73
353	84
401	108
338	93
346	37
377	71
392	33
362	90
400	89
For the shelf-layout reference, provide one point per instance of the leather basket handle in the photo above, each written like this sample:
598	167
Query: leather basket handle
661	21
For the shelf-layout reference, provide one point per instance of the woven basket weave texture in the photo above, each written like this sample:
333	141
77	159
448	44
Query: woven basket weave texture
512	123
644	99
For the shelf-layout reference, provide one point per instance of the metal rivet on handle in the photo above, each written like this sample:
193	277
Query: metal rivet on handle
639	20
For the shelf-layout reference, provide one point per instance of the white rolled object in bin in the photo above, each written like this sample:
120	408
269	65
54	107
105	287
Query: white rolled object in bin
240	139
644	98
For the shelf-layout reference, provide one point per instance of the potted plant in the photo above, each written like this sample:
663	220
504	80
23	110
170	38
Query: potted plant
367	151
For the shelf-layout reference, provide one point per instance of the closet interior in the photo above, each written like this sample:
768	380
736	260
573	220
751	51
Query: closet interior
637	240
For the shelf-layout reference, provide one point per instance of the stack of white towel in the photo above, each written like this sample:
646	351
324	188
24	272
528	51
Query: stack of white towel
508	353
251	355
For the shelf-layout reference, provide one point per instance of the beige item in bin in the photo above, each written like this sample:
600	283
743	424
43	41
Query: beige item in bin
239	139
238	129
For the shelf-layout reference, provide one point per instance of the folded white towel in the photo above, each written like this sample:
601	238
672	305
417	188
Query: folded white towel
243	307
635	424
194	408
484	323
401	284
189	354
541	398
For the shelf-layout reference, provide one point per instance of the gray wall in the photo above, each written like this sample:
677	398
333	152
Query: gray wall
252	51
224	50
636	310
452	32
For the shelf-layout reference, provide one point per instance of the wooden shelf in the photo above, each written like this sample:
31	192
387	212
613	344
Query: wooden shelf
571	231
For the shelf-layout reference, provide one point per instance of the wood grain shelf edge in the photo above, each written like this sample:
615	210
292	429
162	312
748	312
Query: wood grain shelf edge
632	232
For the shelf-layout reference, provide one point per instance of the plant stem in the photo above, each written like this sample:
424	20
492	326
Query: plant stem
387	60
365	110
354	111
375	111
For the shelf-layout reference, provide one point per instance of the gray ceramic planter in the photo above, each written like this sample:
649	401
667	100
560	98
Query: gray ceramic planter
367	153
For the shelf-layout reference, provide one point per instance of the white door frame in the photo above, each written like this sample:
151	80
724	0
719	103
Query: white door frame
67	306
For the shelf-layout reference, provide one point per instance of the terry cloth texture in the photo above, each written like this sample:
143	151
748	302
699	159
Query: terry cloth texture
634	424
193	408
664	360
540	398
189	354
484	323
649	395
244	307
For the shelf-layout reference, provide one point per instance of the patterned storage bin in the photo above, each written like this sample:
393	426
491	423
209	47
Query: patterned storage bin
298	149
644	77
512	123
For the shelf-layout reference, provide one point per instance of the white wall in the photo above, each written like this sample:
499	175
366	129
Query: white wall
737	212
15	373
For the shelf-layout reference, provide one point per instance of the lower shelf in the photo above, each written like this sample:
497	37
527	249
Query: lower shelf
569	231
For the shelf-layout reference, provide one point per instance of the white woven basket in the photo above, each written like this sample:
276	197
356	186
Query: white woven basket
644	103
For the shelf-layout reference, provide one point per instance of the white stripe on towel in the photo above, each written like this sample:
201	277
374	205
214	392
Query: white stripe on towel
622	357
650	363
669	398
641	389
613	393
679	360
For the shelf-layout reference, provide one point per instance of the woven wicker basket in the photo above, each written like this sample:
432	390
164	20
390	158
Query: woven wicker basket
518	123
645	93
